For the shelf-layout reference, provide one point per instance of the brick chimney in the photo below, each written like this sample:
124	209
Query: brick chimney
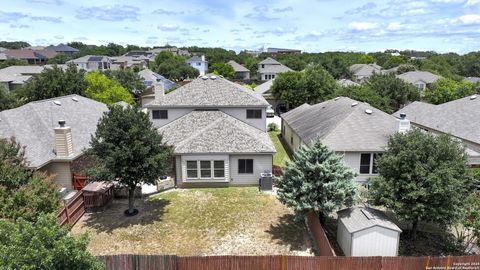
63	140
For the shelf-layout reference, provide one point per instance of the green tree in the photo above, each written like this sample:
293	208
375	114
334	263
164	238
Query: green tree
103	89
43	244
54	82
367	59
128	149
468	230
365	94
423	178
312	85
7	101
13	165
445	90
58	59
394	61
223	69
317	180
398	91
129	80
12	62
173	67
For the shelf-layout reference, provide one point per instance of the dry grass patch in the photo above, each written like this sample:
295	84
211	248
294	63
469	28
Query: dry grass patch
235	221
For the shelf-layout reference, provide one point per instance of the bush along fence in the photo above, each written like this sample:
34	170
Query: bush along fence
169	262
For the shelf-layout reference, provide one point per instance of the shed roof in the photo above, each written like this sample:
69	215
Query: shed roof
215	132
359	219
237	67
415	76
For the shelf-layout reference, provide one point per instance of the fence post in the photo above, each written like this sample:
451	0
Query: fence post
66	212
283	262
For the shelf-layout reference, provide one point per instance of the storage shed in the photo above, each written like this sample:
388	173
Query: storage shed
367	232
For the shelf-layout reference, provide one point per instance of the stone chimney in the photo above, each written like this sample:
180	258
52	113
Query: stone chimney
403	123
63	140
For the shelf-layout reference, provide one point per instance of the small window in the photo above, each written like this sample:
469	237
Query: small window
199	64
291	140
255	114
365	163
205	169
374	165
263	66
273	76
160	114
192	171
245	166
218	169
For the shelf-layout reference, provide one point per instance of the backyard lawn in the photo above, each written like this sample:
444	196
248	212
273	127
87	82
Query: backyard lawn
223	221
283	154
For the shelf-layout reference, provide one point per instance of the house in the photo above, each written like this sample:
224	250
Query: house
199	63
362	72
241	72
353	129
14	77
420	79
174	50
54	132
154	83
218	131
122	62
367	232
264	90
92	62
346	83
62	48
459	118
283	51
145	54
33	57
269	68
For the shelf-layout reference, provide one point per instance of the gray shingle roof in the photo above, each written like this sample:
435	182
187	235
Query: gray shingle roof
264	87
365	69
215	132
341	126
460	118
358	219
33	124
415	76
210	92
269	61
274	69
472	79
347	82
62	48
237	67
195	58
149	75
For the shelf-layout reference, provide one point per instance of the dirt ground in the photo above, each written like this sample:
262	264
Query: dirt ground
225	221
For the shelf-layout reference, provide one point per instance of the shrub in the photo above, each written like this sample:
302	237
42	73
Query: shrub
272	127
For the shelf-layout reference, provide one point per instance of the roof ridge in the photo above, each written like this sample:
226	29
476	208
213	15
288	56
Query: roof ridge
197	132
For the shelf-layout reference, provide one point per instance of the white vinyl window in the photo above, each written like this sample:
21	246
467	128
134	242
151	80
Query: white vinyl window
205	169
368	163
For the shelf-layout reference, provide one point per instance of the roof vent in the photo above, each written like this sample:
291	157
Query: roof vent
367	214
213	77
204	78
368	111
56	102
337	98
473	97
75	99
354	104
61	123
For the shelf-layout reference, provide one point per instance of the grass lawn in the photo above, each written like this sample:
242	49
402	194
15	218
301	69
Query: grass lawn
223	221
283	154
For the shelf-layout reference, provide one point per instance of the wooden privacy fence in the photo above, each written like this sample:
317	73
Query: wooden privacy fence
72	211
318	234
169	262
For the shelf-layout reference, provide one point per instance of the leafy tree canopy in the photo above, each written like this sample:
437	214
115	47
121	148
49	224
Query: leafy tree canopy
7	101
223	69
103	89
173	67
129	80
398	91
445	90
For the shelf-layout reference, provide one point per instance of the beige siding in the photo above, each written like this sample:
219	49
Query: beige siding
352	159
62	172
290	137
261	163
241	114
173	114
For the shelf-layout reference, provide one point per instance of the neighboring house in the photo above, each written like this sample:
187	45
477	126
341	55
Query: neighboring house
54	132
347	82
264	90
459	118
146	55
14	77
155	83
362	72
269	68
122	62
218	131
174	50
92	62
241	72
353	129
367	232
420	79
33	57
283	51
472	79
62	48
199	63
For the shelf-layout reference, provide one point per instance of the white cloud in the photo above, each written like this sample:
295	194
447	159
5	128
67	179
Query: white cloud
168	27
394	26
362	26
469	19
472	2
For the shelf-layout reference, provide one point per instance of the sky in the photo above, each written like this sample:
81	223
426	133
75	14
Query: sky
309	25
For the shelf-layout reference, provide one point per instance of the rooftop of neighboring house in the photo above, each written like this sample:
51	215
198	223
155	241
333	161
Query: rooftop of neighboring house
416	76
139	53
91	58
472	79
129	60
19	74
269	61
264	87
237	67
212	132
347	82
272	66
281	50
33	125
343	124
151	76
30	54
211	91
62	48
360	218
196	58
365	69
460	118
